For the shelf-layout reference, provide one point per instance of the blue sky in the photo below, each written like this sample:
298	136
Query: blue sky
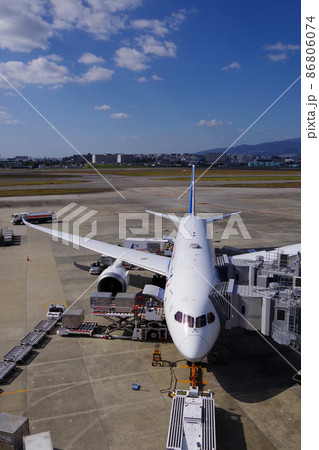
147	76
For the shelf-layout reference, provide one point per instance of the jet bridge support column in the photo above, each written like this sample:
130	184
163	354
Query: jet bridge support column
265	315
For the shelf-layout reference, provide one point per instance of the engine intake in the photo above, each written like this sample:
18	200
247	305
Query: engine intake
113	279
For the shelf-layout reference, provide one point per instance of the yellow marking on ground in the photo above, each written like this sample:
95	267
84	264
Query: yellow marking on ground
189	367
15	392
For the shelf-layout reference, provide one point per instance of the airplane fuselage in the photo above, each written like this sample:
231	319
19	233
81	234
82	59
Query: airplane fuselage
190	315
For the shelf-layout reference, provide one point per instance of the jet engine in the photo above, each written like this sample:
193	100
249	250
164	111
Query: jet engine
113	279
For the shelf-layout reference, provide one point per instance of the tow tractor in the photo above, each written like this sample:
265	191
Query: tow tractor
102	263
55	311
192	421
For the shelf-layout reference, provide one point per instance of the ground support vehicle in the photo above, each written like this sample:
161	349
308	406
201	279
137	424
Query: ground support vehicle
55	311
6	368
18	353
84	329
137	319
35	217
33	338
46	325
192	421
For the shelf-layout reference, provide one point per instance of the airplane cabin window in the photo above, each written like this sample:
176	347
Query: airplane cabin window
201	321
210	317
189	320
179	316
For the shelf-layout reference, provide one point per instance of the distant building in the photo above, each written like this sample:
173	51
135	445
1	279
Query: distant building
264	162
82	158
212	157
105	158
125	159
21	158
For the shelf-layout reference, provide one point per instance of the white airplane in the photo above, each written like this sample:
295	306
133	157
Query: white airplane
191	318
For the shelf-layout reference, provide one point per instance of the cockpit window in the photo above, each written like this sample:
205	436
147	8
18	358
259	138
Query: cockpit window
210	317
201	321
189	320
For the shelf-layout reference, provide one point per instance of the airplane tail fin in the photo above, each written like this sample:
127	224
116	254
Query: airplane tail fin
192	194
177	219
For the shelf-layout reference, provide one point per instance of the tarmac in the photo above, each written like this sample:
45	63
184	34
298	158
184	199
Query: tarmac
80	389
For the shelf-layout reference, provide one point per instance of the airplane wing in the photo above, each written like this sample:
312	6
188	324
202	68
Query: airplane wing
149	261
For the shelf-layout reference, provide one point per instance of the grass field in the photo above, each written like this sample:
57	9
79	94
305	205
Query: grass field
61	191
186	172
38	182
238	178
34	174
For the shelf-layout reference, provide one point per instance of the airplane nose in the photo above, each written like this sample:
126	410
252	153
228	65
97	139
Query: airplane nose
194	348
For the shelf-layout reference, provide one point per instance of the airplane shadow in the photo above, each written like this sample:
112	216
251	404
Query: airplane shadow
249	369
81	266
229	430
139	281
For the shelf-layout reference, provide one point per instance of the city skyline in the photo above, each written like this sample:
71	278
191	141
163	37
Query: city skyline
136	76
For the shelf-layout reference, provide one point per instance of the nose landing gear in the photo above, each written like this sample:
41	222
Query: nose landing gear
196	375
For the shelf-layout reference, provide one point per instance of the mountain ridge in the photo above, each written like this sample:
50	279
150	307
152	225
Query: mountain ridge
274	148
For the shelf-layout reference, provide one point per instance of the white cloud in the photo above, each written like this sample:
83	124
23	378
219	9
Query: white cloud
154	26
54	57
142	80
89	58
160	27
153	46
130	58
29	24
99	18
234	65
44	72
102	108
7	118
176	19
156	78
277	56
96	73
21	26
282	47
280	51
208	123
127	138
40	71
119	116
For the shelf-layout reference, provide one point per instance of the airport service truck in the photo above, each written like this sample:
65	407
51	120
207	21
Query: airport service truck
159	246
35	217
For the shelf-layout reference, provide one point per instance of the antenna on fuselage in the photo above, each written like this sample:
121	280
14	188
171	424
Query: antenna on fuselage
192	194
